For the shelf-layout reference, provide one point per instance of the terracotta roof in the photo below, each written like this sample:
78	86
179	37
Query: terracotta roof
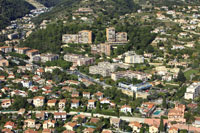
71	124
9	123
67	131
60	113
125	106
115	120
62	101
52	101
94	120
49	121
39	97
78	116
91	101
30	131
173	128
75	101
89	130
106	131
134	123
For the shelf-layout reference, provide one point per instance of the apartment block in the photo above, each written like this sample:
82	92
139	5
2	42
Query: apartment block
103	48
130	74
6	49
192	91
110	34
177	114
103	68
83	37
78	59
49	57
115	38
132	59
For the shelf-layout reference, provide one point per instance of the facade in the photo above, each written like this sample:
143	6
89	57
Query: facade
147	109
130	74
75	103
110	34
6	103
4	63
38	101
49	124
29	123
192	91
133	59
49	57
126	109
78	59
31	53
115	122
105	48
177	114
121	37
6	49
83	37
21	50
103	68
135	126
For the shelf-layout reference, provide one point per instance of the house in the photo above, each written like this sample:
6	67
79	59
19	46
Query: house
76	117
196	122
72	82
106	131
94	120
48	131
31	53
71	126
30	123
21	111
177	113
173	130
26	83
10	125
88	130
6	49
99	95
115	122
75	94
49	124
49	57
60	115
6	103
126	109
42	115
21	50
61	104
154	128
147	109
91	104
51	103
105	101
74	103
86	95
30	131
38	101
135	126
4	63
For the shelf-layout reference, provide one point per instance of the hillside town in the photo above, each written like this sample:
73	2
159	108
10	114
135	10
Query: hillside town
98	82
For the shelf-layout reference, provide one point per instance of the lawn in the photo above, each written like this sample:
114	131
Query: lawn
190	72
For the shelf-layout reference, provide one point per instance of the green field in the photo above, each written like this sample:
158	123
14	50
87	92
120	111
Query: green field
190	72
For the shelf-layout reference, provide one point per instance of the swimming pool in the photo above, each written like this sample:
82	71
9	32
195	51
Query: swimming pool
157	112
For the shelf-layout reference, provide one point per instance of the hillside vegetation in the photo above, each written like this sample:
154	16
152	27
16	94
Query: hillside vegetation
12	9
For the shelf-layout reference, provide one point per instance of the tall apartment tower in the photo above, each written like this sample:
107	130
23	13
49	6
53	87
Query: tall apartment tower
105	48
85	36
110	34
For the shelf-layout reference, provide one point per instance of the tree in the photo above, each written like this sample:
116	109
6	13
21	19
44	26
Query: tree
162	128
181	77
164	103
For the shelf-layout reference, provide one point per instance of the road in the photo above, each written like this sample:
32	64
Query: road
35	4
125	118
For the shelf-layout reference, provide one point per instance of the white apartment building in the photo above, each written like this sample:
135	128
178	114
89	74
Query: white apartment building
134	59
192	91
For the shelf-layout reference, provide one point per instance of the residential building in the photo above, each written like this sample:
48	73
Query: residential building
154	128
103	68
51	103
177	113
10	125
49	57
126	109
61	104
110	34
86	95
6	103
78	59
115	122
83	37
196	123
49	124
4	63
29	123
88	130
71	126
192	91
31	53
133	59
91	104
70	38
135	88
131	74
6	49
147	109
74	103
60	115
38	101
121	37
21	50
135	126
173	130
105	48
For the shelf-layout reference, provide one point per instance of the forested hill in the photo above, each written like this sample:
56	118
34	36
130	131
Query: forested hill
49	3
12	9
